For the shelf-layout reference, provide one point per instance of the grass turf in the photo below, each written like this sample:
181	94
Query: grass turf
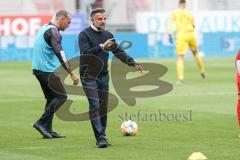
212	129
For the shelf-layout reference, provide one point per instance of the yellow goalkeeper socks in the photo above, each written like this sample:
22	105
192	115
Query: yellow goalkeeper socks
200	63
180	69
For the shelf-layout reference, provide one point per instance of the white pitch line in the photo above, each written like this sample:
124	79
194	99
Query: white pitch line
42	147
84	98
34	100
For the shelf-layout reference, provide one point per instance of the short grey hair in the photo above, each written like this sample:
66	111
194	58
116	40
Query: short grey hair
63	13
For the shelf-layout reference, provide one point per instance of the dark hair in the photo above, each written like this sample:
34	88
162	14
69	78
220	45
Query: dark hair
63	13
182	1
97	10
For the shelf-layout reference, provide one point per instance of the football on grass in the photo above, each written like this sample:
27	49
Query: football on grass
129	128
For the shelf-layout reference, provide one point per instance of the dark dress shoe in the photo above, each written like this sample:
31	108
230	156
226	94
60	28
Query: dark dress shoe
102	143
42	130
56	135
109	145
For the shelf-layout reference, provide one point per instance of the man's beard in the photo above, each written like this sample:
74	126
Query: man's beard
101	28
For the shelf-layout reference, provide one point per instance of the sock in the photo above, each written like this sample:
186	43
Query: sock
180	69
200	63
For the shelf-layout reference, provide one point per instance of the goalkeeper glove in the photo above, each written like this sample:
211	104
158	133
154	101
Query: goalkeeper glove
170	39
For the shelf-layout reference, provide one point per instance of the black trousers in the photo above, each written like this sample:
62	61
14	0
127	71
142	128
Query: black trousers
54	93
96	90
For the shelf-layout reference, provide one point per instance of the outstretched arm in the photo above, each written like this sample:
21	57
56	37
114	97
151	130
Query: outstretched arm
125	58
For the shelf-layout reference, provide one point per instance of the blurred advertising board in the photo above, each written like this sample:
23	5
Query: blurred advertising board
17	34
214	21
217	32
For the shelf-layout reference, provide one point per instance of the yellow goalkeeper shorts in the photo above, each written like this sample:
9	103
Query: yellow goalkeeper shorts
184	41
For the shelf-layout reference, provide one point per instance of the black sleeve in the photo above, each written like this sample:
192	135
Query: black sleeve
84	46
54	39
122	55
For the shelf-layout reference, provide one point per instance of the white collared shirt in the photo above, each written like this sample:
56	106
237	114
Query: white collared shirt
94	28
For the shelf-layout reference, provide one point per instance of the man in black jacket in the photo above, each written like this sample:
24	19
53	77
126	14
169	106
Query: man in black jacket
95	41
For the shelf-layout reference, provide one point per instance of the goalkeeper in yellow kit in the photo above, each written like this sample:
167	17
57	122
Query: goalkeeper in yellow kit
185	38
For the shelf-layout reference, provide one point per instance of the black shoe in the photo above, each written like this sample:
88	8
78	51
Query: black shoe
109	145
203	75
56	135
102	143
42	130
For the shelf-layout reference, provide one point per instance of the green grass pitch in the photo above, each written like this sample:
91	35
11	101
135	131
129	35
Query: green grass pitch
212	128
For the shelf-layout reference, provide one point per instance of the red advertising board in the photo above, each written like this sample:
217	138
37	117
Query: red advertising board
22	25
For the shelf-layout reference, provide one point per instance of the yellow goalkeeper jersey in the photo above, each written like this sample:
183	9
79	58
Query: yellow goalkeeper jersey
182	20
